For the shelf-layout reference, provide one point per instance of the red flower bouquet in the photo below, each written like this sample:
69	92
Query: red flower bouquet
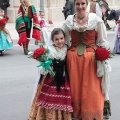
38	52
102	54
41	55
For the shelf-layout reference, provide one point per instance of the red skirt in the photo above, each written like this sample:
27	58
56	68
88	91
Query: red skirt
50	98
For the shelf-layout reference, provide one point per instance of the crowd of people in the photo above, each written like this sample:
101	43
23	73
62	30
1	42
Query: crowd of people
79	89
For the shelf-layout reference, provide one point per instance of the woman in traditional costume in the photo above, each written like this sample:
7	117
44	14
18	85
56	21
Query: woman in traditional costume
89	79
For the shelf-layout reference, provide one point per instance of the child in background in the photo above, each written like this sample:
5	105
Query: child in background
45	37
52	100
5	38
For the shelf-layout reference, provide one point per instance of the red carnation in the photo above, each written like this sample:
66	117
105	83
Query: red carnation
118	21
102	54
38	52
3	21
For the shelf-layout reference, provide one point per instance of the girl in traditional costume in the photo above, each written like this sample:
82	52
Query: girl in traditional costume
52	100
89	76
5	38
45	36
26	13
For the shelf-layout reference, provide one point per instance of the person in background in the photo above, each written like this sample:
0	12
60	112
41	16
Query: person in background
101	8
4	4
68	9
5	38
45	37
25	18
89	88
117	38
52	100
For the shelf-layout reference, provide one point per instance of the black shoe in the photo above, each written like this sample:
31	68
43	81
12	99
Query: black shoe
1	53
109	28
25	52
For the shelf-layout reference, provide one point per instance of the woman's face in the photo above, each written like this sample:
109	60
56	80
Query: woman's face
59	40
80	7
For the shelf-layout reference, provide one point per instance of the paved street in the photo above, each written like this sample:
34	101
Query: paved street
18	75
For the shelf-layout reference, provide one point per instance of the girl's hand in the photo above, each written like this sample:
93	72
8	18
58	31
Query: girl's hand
12	40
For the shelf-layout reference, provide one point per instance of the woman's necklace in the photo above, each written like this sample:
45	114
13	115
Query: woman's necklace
81	19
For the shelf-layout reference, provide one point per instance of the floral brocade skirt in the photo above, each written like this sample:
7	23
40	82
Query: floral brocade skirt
48	104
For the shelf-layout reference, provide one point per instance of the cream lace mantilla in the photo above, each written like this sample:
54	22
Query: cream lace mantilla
57	53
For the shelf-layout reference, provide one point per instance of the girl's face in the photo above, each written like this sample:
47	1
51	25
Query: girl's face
42	15
2	13
80	7
59	40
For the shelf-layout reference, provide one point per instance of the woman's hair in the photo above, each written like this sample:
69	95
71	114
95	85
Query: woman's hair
86	2
56	31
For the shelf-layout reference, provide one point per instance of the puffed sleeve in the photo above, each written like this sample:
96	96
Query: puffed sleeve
67	34
67	27
102	33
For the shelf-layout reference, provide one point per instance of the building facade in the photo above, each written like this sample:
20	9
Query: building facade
52	8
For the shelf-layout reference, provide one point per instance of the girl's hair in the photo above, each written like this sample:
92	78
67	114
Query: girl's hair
86	2
26	0
41	11
56	31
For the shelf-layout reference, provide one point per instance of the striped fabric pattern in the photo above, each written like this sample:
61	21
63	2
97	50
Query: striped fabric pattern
21	28
50	98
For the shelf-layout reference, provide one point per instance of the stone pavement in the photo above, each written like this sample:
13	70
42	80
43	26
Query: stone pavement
14	34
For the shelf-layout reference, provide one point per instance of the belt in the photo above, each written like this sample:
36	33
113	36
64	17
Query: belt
81	47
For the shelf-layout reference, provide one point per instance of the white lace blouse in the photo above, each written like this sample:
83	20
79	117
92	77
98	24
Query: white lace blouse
94	22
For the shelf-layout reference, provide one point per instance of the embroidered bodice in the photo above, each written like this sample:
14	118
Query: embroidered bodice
87	37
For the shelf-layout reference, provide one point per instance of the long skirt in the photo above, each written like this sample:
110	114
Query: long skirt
41	111
86	91
5	43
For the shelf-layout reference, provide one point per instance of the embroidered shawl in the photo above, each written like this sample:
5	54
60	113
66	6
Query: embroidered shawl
21	28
